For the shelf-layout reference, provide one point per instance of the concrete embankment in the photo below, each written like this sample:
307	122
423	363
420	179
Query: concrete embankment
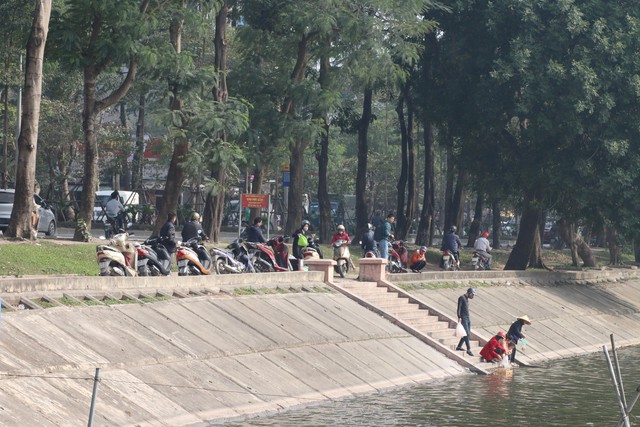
208	351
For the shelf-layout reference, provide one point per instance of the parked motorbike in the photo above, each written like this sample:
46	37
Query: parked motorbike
193	258
314	243
263	258
119	258
234	260
341	256
449	261
398	257
280	251
479	262
153	258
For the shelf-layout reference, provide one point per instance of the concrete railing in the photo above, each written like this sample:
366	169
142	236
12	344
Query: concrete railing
372	269
323	265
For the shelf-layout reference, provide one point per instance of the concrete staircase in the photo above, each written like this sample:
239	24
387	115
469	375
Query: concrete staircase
400	308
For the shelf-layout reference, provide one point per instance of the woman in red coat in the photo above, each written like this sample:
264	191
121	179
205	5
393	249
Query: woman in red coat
494	349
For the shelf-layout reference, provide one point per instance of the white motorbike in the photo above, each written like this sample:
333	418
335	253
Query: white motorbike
342	257
119	257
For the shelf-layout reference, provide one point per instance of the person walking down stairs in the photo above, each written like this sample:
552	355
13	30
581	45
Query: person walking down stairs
463	317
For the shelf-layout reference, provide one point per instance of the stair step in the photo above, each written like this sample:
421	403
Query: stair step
398	307
436	326
441	333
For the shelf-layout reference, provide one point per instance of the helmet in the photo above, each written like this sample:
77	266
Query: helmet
453	229
423	249
485	234
501	334
195	216
305	222
340	227
369	226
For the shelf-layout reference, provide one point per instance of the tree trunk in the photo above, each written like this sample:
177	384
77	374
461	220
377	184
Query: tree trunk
424	235
519	257
579	248
21	224
457	203
5	147
294	217
362	216
614	247
401	219
175	175
214	204
256	188
137	166
411	172
474	230
496	223
324	203
449	216
535	257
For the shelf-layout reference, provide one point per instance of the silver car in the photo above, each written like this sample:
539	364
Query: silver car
47	223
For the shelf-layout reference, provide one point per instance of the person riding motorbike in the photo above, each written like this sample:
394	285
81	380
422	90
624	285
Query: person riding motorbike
300	239
192	228
483	248
451	242
115	210
341	234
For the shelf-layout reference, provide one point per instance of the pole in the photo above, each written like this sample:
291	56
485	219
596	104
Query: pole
239	214
615	359
615	387
268	216
93	397
630	407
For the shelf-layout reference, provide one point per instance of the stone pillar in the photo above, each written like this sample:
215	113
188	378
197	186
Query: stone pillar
324	265
372	269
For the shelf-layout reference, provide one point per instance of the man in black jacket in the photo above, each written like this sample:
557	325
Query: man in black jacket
254	233
192	228
463	317
168	233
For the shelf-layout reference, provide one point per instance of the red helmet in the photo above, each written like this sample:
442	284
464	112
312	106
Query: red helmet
501	334
485	234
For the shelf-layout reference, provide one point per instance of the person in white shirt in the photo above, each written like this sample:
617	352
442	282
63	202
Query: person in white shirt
114	209
483	248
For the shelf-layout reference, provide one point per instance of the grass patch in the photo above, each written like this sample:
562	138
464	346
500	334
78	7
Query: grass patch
245	291
68	302
92	302
22	258
46	304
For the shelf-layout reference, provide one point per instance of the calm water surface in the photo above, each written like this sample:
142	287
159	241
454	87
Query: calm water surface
570	392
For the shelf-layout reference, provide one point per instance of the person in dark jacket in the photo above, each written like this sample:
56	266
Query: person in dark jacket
300	239
463	317
515	333
451	242
168	233
384	234
192	228
254	233
368	242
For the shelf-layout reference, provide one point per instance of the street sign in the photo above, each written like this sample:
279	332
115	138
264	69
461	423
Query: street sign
253	201
286	179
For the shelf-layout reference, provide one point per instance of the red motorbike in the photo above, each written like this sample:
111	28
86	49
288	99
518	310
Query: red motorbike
398	257
263	258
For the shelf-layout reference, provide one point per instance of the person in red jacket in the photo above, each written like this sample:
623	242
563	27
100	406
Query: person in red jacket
494	349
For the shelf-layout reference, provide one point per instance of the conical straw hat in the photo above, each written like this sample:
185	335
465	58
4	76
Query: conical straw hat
525	318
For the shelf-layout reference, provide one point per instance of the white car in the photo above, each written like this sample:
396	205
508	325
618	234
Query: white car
47	223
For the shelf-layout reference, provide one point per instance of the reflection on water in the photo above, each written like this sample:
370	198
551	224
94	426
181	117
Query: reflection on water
570	392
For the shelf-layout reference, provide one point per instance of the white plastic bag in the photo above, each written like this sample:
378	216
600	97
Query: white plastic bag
460	332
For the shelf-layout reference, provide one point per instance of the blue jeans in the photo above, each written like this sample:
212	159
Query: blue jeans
384	248
466	324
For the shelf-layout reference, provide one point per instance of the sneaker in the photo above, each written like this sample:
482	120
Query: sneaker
470	353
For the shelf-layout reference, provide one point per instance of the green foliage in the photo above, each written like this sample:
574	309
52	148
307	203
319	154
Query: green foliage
22	258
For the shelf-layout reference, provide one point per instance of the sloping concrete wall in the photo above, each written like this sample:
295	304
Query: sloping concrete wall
567	319
182	362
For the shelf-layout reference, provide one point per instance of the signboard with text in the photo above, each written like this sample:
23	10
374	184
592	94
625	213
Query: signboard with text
254	201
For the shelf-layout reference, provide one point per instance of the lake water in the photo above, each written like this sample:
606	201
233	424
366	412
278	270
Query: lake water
569	392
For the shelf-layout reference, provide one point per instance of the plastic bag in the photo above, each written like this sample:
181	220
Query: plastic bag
460	332
522	343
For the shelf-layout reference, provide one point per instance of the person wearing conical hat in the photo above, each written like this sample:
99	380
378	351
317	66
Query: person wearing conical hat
515	333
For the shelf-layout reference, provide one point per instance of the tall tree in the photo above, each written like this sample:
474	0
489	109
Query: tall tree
20	224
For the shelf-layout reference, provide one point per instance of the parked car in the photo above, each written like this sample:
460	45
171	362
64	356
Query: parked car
47	223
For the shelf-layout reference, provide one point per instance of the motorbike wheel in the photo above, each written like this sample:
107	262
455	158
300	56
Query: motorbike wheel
344	268
447	266
262	266
219	266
